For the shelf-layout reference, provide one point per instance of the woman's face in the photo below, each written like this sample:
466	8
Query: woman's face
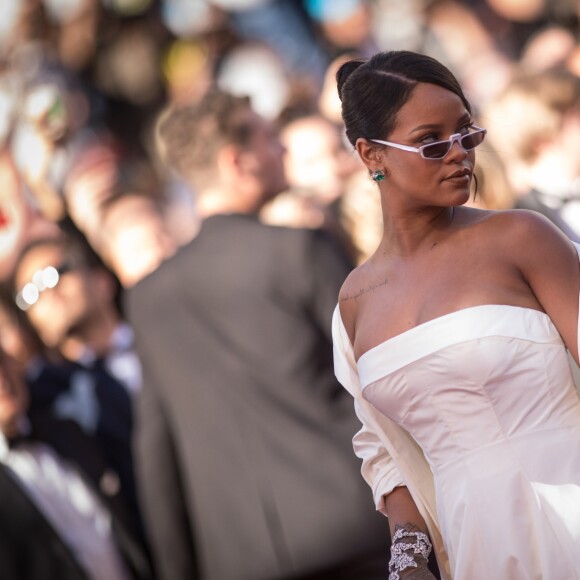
431	114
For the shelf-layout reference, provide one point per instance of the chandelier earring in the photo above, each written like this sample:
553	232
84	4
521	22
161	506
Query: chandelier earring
377	175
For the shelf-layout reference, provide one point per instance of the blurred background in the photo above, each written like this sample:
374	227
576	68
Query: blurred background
88	203
84	83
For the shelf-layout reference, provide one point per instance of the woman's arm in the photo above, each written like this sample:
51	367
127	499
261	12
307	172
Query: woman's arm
411	545
549	264
402	510
410	542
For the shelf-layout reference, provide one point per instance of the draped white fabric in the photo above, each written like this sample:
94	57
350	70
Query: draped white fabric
477	413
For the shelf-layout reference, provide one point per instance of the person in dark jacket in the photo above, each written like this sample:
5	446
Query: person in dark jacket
243	433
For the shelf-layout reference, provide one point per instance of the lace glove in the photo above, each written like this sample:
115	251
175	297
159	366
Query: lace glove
410	549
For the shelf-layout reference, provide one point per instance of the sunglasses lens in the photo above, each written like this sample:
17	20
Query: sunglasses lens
436	150
440	149
472	140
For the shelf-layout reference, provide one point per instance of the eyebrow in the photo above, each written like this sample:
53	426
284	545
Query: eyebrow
465	117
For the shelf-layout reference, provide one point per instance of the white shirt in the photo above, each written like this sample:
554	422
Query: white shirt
69	505
121	360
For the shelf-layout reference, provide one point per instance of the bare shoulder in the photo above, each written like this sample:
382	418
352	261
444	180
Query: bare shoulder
531	238
548	262
493	218
521	234
354	286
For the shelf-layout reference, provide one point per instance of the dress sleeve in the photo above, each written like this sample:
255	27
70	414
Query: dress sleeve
378	467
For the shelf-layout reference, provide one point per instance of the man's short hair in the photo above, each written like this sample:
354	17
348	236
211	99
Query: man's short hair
191	137
530	110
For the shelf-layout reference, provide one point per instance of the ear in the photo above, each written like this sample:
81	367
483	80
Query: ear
228	162
235	163
371	155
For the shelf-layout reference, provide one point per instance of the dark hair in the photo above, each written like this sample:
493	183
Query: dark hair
374	91
77	252
18	319
192	136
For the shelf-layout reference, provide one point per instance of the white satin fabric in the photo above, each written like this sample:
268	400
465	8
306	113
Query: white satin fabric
477	413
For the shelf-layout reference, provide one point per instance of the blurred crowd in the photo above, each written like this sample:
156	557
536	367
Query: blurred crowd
83	84
85	187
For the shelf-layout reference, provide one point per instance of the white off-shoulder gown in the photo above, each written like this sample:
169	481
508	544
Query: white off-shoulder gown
487	394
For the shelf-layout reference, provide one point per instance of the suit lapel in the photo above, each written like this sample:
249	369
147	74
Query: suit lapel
29	533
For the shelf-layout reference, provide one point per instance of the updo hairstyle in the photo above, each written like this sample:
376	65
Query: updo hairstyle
372	92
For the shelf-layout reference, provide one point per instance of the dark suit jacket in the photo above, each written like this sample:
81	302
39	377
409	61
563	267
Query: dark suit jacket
244	448
30	548
113	426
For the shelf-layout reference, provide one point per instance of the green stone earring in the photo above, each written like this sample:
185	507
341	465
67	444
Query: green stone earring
377	175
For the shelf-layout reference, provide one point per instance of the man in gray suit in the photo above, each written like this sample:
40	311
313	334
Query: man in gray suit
244	436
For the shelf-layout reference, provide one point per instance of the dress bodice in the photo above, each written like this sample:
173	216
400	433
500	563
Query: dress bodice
472	378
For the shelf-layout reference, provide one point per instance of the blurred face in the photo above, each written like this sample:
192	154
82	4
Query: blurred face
264	159
63	309
136	240
312	146
431	114
13	394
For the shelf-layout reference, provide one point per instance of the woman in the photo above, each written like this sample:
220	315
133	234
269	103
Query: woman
452	338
